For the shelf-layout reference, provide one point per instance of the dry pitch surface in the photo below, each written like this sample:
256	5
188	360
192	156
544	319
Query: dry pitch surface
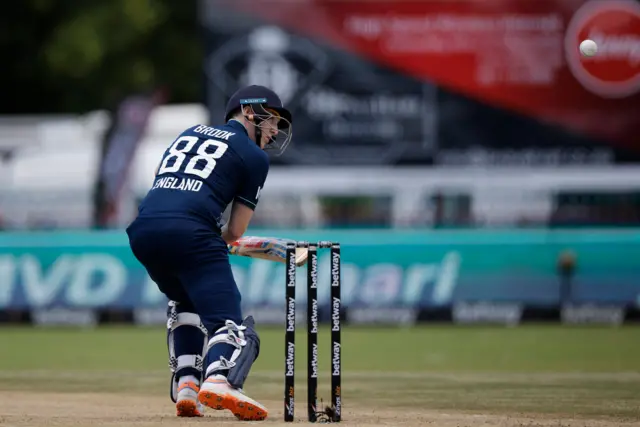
602	389
407	400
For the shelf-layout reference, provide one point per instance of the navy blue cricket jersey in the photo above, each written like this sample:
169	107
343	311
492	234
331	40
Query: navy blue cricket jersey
204	170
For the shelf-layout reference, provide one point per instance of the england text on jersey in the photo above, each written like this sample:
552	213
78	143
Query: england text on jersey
186	184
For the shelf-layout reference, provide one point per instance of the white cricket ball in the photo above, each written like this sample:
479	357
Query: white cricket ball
588	47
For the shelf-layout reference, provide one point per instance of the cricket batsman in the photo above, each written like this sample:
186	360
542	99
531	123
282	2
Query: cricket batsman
179	238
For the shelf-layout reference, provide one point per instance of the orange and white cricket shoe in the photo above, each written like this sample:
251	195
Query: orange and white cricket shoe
187	404
216	393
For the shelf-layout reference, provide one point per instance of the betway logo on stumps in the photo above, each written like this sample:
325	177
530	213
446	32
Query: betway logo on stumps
314	316
335	360
314	361
614	72
335	270
291	348
335	315
291	273
291	315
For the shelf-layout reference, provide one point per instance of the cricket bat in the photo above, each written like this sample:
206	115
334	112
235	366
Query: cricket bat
269	248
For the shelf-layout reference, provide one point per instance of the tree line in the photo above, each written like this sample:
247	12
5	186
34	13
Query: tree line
72	56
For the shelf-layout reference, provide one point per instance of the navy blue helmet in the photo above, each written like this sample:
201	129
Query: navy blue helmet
266	104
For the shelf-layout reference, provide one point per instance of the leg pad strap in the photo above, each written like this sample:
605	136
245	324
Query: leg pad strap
246	346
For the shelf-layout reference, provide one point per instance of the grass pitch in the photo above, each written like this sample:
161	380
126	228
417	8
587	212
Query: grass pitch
428	375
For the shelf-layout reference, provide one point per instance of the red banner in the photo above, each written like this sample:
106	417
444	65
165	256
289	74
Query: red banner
521	55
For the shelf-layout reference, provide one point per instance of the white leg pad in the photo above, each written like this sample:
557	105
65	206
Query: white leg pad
176	364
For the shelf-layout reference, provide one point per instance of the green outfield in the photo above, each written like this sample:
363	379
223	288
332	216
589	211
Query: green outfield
435	375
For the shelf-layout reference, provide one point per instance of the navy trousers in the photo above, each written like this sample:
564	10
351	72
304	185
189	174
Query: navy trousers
190	264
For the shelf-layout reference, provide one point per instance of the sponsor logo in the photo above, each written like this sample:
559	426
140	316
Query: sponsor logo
291	272
314	270
253	101
291	315
268	56
251	242
314	361
591	313
501	313
381	315
335	360
290	402
338	402
335	269
291	350
314	316
60	316
335	315
614	25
